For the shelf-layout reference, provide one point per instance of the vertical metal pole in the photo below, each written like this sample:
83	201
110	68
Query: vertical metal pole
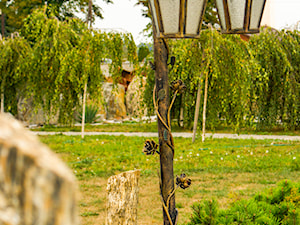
165	138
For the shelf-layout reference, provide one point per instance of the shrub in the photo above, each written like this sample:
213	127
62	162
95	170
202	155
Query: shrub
90	114
279	205
205	213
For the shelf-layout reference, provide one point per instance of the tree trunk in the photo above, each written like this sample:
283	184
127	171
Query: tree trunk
3	24
89	16
204	107
83	109
197	109
122	198
2	85
89	22
181	111
206	84
2	102
2	95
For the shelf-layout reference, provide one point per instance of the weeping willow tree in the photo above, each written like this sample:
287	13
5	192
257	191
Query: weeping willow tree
227	64
14	54
67	55
276	93
252	84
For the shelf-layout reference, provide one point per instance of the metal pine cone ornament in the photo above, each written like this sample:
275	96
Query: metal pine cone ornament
150	147
183	181
178	85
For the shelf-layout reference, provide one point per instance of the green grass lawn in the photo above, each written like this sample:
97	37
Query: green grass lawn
225	169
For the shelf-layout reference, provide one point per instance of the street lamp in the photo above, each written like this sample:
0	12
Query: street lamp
177	18
183	19
240	16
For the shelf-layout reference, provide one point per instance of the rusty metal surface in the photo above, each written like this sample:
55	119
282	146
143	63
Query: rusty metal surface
165	138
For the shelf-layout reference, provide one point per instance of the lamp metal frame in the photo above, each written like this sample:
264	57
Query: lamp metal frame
182	21
246	28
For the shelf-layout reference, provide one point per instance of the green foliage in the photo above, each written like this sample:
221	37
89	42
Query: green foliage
148	93
115	43
16	11
278	205
143	52
277	92
66	55
205	213
224	61
53	83
252	84
13	77
90	114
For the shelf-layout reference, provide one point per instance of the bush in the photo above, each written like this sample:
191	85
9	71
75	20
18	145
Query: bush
276	206
90	114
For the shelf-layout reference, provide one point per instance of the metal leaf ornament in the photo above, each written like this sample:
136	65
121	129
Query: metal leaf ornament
183	181
150	147
178	85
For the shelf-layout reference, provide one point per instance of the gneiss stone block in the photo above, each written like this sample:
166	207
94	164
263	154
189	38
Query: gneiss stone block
122	200
36	187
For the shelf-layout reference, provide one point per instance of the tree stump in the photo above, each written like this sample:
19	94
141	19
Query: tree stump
36	187
123	198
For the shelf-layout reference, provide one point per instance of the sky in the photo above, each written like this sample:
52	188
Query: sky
283	13
124	16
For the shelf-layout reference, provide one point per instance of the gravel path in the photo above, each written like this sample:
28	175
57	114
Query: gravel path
177	134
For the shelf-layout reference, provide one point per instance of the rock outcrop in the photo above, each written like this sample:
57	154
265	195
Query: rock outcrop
122	199
134	97
36	187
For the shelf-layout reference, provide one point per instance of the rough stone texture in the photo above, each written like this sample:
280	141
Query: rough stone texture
134	97
36	187
114	97
123	198
28	115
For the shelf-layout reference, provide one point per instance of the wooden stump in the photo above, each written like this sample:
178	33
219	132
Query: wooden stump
123	198
36	187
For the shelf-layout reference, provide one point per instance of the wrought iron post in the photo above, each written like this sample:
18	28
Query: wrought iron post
162	102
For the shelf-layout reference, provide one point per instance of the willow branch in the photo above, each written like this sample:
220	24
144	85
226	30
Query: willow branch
169	110
157	112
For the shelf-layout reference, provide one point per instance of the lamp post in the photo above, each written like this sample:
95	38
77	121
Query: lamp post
240	16
183	19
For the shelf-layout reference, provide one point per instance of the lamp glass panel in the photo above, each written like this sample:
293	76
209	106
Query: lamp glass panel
256	11
194	12
153	11
170	15
236	10
221	12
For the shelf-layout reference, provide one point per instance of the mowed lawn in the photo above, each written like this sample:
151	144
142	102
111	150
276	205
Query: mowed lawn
223	169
